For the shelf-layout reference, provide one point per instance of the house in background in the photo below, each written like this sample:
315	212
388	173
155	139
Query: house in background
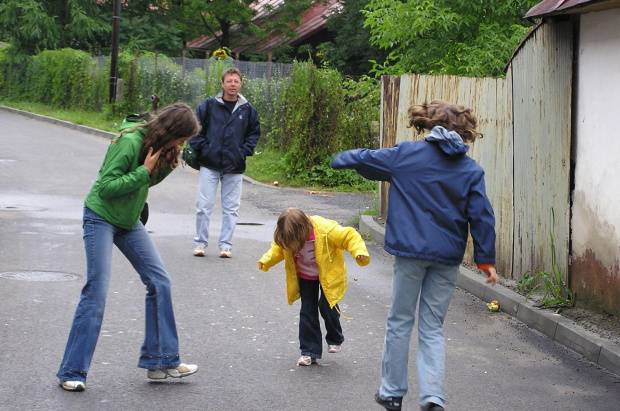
312	30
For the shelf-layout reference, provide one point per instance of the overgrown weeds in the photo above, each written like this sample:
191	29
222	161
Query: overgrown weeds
555	292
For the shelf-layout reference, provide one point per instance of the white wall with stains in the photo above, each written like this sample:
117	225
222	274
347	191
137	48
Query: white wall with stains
596	206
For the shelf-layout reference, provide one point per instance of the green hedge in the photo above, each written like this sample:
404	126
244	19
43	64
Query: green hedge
310	116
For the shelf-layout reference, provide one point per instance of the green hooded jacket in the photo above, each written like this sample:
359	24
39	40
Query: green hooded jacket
123	184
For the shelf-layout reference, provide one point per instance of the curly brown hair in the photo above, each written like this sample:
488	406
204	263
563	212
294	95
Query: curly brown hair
292	230
171	123
454	117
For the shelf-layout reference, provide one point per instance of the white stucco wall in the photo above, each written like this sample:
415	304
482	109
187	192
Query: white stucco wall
596	207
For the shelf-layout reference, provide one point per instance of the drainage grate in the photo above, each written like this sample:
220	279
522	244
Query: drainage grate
39	276
250	224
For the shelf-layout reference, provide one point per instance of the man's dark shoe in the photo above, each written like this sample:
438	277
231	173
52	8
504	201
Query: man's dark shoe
390	403
431	406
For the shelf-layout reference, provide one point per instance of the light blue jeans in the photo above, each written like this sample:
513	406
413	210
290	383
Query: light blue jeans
433	284
231	200
161	345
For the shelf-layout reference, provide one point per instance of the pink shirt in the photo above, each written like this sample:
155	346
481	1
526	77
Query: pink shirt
305	261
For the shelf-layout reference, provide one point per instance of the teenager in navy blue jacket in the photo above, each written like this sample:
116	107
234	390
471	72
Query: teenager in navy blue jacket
437	195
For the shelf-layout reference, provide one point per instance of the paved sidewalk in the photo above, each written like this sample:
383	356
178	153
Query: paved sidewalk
601	351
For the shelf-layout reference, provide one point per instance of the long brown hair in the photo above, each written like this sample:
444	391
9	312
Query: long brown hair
454	117
171	123
292	230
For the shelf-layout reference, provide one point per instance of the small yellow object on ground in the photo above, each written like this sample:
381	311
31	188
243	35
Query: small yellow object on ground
493	306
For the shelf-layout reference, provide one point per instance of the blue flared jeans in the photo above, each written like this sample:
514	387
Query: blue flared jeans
433	285
160	349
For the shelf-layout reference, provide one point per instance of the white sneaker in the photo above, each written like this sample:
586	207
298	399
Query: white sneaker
183	370
225	253
73	385
334	349
199	251
306	360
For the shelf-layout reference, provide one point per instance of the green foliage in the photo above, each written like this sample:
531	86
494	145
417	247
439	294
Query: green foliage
266	97
65	78
555	293
306	119
322	115
350	52
214	71
474	38
268	166
314	103
36	25
527	282
323	175
359	123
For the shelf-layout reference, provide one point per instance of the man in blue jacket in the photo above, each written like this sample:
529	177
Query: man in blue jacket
230	132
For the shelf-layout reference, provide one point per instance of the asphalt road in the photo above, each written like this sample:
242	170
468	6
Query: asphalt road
233	320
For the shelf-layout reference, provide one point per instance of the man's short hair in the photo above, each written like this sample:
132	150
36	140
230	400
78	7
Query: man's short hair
232	70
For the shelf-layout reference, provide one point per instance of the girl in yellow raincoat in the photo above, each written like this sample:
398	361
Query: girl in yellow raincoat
311	247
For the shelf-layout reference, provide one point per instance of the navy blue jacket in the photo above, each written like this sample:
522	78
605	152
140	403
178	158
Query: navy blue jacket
436	194
226	138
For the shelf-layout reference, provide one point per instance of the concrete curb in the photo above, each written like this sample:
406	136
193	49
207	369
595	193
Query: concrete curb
72	126
560	329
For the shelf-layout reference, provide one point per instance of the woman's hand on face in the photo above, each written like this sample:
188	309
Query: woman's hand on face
151	159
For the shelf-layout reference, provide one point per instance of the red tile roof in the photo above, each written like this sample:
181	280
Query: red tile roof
312	21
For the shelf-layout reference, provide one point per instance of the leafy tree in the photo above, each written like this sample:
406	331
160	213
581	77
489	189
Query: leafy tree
471	38
35	25
150	25
351	51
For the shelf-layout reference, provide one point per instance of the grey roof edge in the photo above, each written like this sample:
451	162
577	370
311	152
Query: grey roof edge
564	331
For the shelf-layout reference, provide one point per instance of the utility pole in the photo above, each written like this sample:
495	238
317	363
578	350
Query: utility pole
116	17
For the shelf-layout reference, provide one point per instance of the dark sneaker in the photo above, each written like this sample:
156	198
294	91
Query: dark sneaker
431	406
390	403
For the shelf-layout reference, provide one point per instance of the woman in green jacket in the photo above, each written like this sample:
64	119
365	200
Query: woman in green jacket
311	247
142	155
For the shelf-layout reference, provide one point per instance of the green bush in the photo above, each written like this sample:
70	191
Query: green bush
307	118
313	105
63	78
323	114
